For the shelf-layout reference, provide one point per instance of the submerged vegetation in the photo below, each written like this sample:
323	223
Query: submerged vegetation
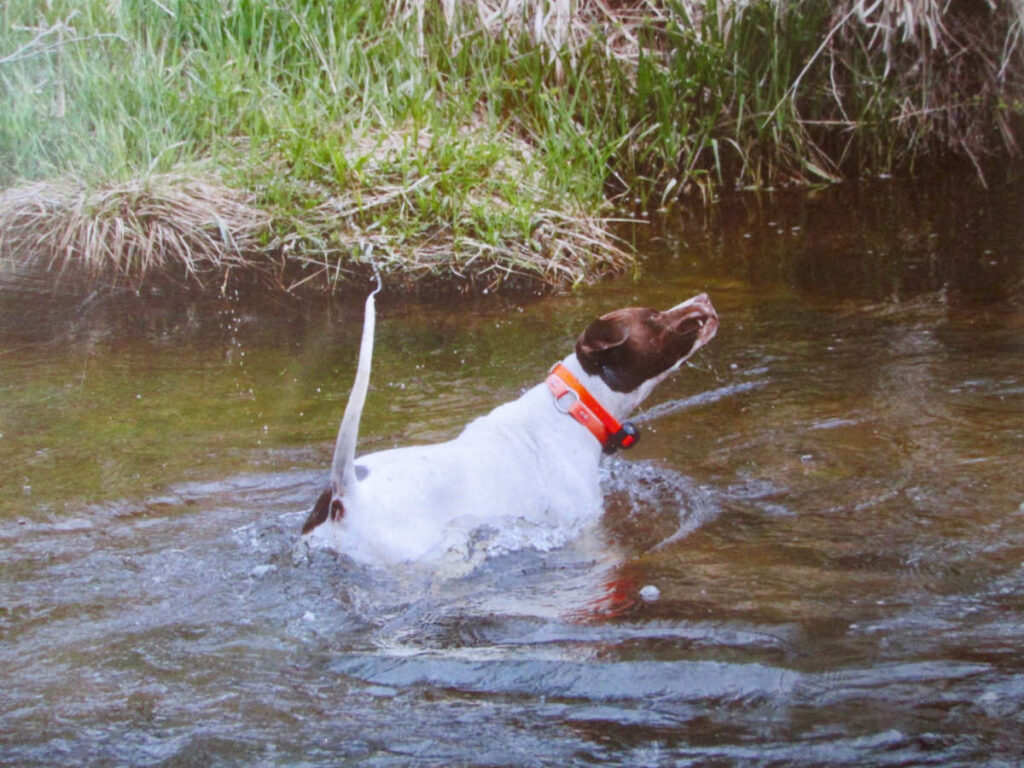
303	141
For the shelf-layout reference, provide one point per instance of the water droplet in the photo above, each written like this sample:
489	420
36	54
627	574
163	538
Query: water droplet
650	593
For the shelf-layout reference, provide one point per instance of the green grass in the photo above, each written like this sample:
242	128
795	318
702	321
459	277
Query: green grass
341	133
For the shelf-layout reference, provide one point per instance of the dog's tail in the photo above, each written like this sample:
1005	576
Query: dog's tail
343	471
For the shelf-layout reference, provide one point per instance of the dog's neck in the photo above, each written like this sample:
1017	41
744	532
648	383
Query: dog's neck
619	404
574	399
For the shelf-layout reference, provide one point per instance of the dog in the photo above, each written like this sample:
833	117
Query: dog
532	460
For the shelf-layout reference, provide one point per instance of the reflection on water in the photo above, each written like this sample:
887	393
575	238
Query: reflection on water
814	556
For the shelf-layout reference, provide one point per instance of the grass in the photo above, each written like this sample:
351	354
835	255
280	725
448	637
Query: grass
455	141
117	232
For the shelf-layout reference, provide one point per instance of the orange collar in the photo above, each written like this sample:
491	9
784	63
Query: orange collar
588	412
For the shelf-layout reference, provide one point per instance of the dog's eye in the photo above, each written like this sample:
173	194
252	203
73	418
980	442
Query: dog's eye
652	320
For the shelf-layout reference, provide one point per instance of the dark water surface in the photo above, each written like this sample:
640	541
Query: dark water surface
825	516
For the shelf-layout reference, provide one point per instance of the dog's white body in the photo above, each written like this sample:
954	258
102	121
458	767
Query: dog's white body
525	461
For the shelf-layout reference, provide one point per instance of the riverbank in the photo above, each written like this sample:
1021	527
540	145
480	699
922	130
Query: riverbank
479	145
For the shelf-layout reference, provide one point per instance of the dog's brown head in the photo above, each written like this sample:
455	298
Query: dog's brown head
629	347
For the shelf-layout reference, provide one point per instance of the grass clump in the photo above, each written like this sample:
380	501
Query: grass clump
475	142
194	227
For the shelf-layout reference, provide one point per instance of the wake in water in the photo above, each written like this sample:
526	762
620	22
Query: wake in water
648	506
704	398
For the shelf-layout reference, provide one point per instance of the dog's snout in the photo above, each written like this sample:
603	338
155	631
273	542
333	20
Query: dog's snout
700	302
703	302
698	309
698	313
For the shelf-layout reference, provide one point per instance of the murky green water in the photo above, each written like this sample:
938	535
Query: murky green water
830	504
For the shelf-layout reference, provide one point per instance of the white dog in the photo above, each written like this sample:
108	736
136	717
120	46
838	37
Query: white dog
533	460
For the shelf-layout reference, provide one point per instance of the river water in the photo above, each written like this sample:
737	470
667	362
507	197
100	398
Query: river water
815	556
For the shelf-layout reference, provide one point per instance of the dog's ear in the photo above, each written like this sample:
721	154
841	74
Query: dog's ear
607	332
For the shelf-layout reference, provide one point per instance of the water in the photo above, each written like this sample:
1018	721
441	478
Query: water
814	556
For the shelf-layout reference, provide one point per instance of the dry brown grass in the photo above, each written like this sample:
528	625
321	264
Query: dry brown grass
177	225
341	238
959	66
562	27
